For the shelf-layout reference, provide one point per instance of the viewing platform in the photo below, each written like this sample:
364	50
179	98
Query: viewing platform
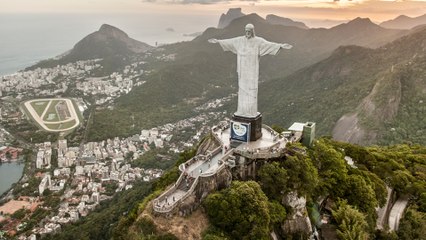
270	145
206	166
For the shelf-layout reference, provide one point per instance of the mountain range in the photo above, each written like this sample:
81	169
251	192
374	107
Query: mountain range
404	22
310	45
274	19
360	95
359	81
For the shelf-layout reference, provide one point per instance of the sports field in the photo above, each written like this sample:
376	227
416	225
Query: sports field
53	114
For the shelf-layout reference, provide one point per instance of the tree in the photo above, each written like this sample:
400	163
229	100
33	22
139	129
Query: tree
302	175
273	180
19	214
360	194
351	224
241	211
8	156
402	180
146	226
331	167
377	184
422	202
129	155
277	213
277	128
413	225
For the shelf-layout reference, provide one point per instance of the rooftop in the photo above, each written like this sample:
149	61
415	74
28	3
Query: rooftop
297	127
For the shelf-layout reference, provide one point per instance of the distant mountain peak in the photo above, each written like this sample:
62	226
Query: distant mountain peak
274	19
401	17
234	11
360	20
358	24
106	42
404	22
112	31
254	16
226	19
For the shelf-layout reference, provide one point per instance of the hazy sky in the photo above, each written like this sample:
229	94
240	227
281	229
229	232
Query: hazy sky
377	10
33	30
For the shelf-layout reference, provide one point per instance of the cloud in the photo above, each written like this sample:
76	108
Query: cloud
300	3
198	1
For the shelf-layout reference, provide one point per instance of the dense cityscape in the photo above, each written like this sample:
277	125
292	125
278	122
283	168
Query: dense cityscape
83	176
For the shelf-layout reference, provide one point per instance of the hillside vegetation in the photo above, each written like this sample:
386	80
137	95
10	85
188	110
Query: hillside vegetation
201	72
378	94
253	209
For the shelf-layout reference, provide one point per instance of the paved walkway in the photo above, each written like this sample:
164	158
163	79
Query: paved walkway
397	212
269	143
381	212
209	165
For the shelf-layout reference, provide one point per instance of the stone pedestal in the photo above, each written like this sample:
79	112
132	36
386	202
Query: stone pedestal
255	125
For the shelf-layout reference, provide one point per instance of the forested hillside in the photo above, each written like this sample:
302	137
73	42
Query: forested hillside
254	209
365	95
201	71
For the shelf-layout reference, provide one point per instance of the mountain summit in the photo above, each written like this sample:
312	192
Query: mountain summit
404	22
358	24
274	19
109	30
107	41
226	19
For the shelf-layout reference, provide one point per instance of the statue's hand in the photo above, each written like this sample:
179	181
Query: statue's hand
212	40
286	46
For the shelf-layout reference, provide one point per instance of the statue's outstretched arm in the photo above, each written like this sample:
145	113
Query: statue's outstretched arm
213	40
286	46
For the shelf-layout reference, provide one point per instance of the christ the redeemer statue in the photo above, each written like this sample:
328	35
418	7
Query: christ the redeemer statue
249	48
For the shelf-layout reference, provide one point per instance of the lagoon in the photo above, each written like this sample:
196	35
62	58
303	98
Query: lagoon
10	173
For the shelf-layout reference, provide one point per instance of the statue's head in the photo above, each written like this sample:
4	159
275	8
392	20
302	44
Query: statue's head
249	30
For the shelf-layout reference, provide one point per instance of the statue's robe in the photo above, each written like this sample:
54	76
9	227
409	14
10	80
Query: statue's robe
248	52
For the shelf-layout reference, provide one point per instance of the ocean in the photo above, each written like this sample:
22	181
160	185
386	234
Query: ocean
28	38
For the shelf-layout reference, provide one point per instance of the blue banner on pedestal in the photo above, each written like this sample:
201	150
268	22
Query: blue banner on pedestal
240	131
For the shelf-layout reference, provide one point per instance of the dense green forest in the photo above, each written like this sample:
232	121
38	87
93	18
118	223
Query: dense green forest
323	172
252	209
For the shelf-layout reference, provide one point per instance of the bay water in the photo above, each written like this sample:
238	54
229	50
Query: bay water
9	174
26	39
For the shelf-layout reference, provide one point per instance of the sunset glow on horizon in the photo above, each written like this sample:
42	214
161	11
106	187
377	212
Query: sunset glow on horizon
376	10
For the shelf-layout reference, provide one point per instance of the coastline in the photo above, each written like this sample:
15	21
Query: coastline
8	191
9	161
